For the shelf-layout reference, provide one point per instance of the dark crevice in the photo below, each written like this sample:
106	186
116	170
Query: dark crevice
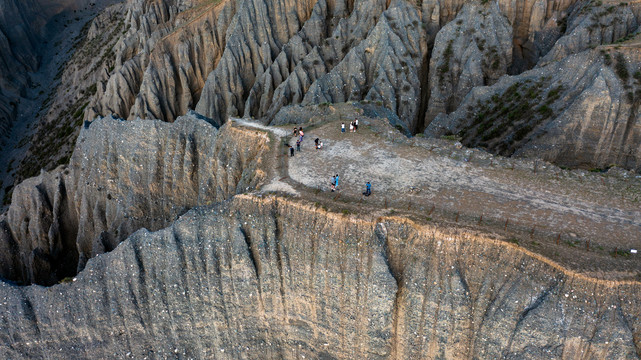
250	251
279	258
539	300
636	337
425	93
381	234
30	315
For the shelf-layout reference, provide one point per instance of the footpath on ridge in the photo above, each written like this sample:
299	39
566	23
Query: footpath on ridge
585	221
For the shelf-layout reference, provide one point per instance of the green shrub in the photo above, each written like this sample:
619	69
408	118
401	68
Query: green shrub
621	68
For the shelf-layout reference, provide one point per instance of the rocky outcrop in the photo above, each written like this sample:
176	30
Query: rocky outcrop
372	54
473	50
256	35
384	67
310	54
536	26
163	60
271	278
582	111
591	24
122	176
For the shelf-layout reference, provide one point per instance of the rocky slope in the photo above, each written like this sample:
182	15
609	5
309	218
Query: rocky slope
20	25
473	50
158	59
590	24
582	111
273	278
122	176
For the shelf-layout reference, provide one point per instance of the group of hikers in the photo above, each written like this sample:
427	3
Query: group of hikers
353	126
299	135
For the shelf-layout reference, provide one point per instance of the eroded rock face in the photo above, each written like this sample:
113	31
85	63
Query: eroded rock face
473	50
384	67
123	176
256	35
582	111
592	24
269	278
253	58
536	27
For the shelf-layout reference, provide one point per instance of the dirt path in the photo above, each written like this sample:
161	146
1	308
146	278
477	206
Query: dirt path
576	218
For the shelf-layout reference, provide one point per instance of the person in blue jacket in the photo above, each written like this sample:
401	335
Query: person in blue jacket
368	189
336	182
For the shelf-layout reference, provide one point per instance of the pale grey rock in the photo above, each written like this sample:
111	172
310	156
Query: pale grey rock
593	24
325	39
579	112
257	33
123	175
271	279
473	50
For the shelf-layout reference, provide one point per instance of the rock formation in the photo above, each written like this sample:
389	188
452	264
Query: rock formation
158	239
122	176
272	278
254	58
474	50
582	111
591	24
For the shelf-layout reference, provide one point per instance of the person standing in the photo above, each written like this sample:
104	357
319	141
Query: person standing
343	127
368	189
301	133
351	127
298	145
336	181
355	125
291	150
333	183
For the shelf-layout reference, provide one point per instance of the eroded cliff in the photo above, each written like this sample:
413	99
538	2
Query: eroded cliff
274	278
159	59
585	111
122	176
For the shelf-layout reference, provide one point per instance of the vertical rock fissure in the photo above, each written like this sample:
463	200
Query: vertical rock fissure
636	337
424	93
381	233
279	259
250	252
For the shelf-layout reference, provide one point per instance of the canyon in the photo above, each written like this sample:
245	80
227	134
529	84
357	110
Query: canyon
151	208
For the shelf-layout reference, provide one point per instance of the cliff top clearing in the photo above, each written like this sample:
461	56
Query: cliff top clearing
585	220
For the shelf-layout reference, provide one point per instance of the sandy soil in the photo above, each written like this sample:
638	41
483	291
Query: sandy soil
575	217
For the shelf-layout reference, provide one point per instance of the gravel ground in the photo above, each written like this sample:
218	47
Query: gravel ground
574	217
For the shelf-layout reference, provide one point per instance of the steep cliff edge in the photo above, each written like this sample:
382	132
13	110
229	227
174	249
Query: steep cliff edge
273	278
122	176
